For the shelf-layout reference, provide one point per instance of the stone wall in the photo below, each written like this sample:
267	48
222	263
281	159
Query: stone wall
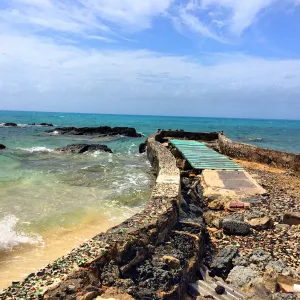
201	136
280	159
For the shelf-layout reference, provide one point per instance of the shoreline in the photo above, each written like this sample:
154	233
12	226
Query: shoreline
99	251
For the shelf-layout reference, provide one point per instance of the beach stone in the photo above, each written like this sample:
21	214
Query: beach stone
222	262
235	227
212	219
278	266
261	223
240	276
220	290
283	296
2	147
82	148
291	218
217	204
90	295
10	124
260	255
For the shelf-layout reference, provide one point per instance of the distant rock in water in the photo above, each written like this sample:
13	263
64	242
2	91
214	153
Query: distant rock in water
10	124
2	147
101	131
82	148
46	124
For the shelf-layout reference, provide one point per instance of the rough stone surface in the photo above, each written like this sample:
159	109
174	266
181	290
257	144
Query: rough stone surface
82	148
222	262
261	223
291	218
235	227
240	276
100	131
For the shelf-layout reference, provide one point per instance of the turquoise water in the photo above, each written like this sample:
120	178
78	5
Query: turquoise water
45	195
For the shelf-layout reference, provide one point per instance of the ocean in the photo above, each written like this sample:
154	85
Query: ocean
50	202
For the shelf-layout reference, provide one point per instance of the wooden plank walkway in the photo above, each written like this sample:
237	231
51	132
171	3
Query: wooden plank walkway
202	157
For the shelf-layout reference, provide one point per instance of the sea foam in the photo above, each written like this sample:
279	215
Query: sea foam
37	149
10	237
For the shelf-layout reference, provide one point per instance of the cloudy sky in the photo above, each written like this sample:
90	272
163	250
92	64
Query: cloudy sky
231	58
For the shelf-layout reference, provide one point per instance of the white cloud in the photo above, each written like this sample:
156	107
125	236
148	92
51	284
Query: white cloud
85	18
217	19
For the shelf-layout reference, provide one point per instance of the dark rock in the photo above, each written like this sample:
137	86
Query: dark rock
100	131
46	124
2	147
220	290
82	148
142	147
222	262
10	124
235	227
291	218
260	255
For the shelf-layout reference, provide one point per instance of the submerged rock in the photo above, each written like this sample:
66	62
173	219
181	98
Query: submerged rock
82	148
10	124
100	131
2	147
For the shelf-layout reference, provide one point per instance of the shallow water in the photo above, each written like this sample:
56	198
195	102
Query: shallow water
51	202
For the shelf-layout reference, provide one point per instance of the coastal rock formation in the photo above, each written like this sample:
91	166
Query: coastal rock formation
100	131
2	147
82	148
10	124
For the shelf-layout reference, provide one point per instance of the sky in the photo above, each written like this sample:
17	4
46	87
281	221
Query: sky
215	58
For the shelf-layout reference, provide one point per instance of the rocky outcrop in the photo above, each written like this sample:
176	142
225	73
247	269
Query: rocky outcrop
10	124
99	131
46	124
2	147
83	148
142	147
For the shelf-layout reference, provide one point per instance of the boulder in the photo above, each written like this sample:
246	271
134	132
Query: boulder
46	124
222	262
99	131
212	219
2	147
240	276
235	227
261	223
291	218
82	148
142	147
10	124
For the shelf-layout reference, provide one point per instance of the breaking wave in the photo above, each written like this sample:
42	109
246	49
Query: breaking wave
37	149
10	237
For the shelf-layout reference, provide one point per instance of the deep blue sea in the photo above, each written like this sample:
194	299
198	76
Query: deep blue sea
51	202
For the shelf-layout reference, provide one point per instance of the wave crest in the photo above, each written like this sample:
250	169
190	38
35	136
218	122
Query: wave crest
37	149
10	238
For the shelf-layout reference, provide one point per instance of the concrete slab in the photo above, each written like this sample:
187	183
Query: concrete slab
232	185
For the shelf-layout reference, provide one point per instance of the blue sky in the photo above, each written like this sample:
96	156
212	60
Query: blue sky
222	58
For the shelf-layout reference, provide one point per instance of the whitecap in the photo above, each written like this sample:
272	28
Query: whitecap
37	149
10	237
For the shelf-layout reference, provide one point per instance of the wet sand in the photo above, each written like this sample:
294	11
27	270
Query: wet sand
17	264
